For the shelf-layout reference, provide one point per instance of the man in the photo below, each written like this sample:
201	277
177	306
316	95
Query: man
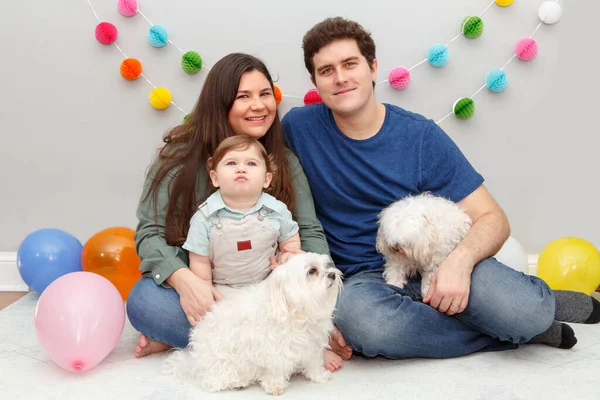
360	156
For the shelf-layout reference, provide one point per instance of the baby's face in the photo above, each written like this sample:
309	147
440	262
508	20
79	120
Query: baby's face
241	173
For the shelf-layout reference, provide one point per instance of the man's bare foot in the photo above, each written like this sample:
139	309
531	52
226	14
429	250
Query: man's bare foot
146	346
338	344
332	360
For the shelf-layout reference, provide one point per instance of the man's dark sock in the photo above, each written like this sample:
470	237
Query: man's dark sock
558	335
576	307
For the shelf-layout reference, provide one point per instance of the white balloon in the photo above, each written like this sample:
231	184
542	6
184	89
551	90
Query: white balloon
513	255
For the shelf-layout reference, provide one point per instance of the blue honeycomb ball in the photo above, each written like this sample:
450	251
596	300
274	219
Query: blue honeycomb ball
496	81
438	55
158	36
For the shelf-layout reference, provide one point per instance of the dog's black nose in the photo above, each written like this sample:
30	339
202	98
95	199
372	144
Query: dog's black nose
331	275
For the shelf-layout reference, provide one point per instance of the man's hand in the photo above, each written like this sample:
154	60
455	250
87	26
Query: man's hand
451	284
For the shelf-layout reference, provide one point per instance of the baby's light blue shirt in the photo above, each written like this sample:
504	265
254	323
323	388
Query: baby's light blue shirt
198	239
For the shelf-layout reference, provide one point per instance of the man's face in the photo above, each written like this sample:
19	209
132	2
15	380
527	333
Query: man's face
343	77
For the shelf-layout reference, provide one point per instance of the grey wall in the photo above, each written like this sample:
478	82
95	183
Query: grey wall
76	137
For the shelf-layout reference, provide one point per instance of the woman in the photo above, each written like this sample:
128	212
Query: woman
237	99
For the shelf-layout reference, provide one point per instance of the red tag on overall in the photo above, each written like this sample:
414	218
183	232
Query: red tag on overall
245	245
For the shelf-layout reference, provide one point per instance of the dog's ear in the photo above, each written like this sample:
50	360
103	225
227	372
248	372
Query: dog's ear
325	260
278	306
379	242
424	249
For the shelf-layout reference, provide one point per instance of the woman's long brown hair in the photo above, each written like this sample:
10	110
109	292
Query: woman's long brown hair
188	146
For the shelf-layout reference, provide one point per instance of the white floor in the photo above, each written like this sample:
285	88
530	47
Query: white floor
531	372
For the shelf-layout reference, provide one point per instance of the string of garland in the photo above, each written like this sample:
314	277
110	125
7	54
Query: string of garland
158	36
131	68
526	49
399	77
438	54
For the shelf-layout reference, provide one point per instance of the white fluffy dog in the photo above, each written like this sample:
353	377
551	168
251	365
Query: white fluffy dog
416	234
265	332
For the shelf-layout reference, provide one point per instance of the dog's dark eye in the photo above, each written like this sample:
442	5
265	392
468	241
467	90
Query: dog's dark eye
313	271
395	248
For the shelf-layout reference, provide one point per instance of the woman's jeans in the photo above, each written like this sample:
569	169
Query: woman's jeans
156	312
506	308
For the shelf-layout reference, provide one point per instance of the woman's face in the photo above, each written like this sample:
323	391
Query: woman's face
254	108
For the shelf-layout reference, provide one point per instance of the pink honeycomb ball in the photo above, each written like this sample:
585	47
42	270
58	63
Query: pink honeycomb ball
312	97
128	8
399	78
526	49
106	33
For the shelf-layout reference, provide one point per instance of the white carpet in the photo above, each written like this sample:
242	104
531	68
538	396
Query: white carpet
531	372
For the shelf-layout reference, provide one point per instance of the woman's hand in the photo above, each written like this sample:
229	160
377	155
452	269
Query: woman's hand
283	257
196	295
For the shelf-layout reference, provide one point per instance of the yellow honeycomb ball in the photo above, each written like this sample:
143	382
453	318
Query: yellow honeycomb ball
160	98
504	3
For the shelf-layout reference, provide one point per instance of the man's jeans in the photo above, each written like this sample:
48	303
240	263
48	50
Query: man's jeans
506	308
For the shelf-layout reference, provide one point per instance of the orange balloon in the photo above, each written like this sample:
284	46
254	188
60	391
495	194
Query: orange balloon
111	253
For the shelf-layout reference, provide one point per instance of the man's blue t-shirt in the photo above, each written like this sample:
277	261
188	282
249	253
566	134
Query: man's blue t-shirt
353	180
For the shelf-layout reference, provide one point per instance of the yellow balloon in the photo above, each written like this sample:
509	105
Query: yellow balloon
504	3
570	263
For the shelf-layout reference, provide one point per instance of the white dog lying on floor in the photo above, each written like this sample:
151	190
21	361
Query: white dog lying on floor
416	234
265	332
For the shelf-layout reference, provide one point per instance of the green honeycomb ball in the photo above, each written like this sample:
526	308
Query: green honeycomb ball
191	62
472	26
464	108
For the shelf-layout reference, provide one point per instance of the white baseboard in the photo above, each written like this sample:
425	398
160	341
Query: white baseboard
532	260
10	279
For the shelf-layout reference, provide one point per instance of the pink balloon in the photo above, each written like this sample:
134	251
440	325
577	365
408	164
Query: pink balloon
79	319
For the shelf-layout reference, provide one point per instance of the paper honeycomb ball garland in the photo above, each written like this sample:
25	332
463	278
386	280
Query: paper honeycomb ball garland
160	98
312	97
131	69
526	49
106	33
128	8
438	55
472	27
158	36
496	81
464	108
191	62
399	78
277	93
550	12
